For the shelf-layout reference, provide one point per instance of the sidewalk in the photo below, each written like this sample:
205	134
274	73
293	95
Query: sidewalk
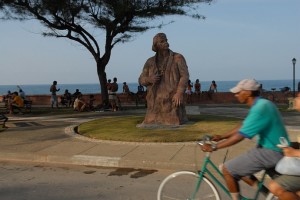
52	140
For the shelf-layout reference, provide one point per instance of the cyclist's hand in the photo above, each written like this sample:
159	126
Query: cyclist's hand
291	152
206	148
216	138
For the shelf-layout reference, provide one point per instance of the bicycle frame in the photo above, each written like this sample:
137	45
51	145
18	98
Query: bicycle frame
205	170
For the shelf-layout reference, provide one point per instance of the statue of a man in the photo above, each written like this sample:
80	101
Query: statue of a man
166	76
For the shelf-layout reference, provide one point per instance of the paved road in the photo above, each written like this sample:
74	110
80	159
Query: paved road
51	139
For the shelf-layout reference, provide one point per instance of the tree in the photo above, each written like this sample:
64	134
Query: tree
77	19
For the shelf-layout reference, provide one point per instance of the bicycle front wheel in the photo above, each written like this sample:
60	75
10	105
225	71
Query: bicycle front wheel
271	197
182	185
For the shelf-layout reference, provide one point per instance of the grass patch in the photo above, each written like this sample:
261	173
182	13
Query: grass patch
124	129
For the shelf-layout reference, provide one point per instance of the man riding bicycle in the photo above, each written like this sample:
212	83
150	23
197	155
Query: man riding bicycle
263	121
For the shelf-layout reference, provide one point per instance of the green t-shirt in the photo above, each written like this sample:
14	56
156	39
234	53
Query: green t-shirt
265	122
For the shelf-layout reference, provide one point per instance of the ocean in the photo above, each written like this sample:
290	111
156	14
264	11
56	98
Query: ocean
223	86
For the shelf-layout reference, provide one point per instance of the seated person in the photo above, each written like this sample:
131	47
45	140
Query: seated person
125	88
79	104
140	94
3	117
213	87
91	102
16	103
287	187
141	90
74	96
189	87
197	87
21	93
285	89
7	98
66	99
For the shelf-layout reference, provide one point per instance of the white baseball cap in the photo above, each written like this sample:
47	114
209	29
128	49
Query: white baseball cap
246	84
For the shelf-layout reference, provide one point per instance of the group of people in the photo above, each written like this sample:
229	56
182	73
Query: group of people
77	101
15	101
197	85
81	105
74	100
68	99
212	88
112	88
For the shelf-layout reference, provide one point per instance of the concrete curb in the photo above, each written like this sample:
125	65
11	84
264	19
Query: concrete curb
72	160
87	160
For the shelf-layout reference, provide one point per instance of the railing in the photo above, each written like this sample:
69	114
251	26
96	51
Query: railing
193	99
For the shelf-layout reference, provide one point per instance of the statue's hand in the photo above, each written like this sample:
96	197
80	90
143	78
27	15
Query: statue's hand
177	99
154	79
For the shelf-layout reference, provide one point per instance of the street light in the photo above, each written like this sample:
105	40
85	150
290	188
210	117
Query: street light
294	63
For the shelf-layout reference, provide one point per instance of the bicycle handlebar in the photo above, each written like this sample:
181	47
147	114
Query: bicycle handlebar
205	139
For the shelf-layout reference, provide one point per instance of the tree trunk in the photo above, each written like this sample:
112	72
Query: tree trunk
103	81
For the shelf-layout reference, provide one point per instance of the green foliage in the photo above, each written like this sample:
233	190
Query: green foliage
116	17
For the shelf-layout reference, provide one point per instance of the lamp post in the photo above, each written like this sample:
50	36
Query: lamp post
294	63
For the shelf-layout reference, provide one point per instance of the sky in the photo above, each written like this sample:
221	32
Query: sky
238	39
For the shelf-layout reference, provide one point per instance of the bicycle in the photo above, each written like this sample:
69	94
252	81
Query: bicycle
174	186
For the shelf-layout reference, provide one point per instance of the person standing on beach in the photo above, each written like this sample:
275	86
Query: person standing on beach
53	91
166	76
112	96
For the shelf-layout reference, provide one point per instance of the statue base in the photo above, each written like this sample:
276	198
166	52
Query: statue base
157	126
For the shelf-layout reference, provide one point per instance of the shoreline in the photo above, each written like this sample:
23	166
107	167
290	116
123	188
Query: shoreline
94	88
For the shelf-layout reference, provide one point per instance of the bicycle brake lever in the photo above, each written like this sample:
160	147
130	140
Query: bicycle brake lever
283	142
207	138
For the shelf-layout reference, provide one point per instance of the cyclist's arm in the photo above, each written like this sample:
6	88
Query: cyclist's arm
228	134
231	140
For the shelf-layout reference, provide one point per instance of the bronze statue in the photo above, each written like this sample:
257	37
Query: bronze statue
166	76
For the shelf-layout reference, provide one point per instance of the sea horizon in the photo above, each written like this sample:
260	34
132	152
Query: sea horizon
94	88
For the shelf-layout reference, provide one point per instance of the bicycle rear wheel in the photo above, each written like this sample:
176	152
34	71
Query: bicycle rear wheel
181	185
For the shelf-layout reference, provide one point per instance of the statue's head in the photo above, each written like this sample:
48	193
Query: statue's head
156	39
